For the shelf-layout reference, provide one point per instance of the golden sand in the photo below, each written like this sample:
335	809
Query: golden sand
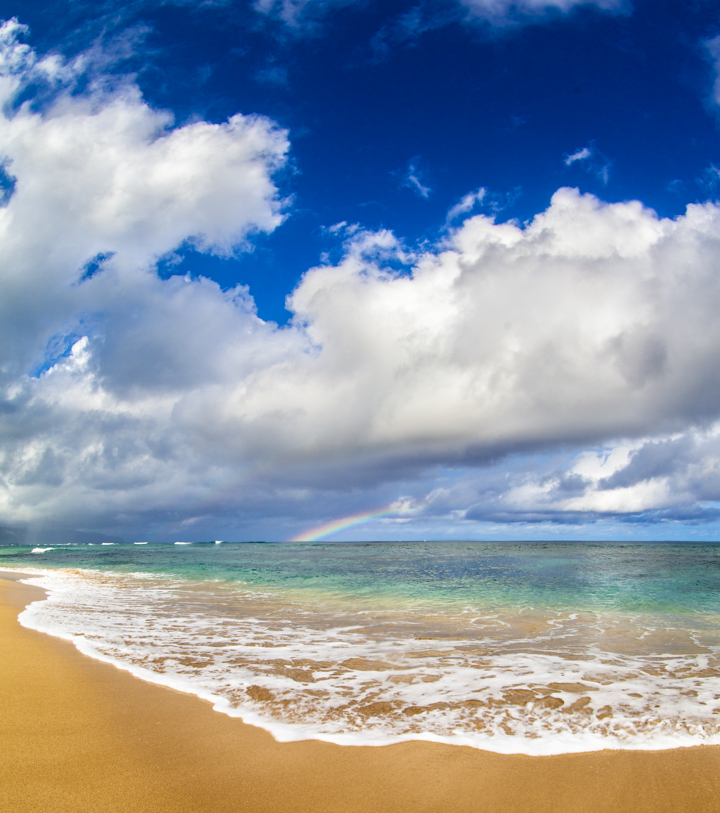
79	736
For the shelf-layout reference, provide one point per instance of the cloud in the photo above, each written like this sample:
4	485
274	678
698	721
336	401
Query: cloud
411	179
580	155
713	51
657	480
122	25
466	204
102	186
570	330
501	12
709	180
304	15
100	173
273	74
592	161
494	202
126	399
299	16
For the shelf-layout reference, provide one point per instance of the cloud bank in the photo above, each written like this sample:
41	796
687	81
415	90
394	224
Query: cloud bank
127	399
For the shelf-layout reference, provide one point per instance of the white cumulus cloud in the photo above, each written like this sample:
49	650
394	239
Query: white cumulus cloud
126	399
101	173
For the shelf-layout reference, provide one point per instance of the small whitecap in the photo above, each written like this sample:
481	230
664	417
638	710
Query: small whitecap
40	550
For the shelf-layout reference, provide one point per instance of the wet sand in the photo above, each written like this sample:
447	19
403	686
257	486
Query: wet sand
79	736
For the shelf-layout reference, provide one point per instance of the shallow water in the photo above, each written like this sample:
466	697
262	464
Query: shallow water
527	647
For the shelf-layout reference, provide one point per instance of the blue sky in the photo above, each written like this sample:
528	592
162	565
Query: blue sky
272	264
462	105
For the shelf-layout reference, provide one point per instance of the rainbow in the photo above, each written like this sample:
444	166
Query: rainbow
329	528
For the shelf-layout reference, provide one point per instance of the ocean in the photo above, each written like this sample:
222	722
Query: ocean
535	648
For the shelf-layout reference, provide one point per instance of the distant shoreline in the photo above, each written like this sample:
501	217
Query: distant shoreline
79	735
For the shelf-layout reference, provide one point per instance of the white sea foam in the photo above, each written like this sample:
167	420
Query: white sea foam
541	685
183	543
139	543
40	550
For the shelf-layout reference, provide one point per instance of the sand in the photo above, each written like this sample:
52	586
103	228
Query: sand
79	736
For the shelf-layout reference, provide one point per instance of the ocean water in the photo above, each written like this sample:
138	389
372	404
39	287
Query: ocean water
536	648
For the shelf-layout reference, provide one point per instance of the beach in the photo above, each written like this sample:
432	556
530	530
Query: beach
81	735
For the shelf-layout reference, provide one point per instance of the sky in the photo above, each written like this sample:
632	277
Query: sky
412	269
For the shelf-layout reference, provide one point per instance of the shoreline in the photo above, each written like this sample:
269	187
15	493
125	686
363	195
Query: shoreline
676	722
135	746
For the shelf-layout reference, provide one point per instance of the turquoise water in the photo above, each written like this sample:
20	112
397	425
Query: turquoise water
645	577
526	647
